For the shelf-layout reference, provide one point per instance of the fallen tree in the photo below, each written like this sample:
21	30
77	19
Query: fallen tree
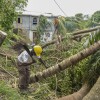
75	35
77	95
86	30
65	63
94	93
63	38
85	93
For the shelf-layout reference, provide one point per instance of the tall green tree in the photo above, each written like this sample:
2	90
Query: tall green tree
96	18
9	11
81	22
43	25
70	24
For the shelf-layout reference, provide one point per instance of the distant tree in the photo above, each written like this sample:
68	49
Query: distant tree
70	24
81	21
96	18
79	16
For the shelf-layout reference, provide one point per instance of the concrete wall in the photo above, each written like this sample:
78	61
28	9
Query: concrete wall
27	24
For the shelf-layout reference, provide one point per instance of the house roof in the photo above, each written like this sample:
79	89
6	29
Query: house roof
26	13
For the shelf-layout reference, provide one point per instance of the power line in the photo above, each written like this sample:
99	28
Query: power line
60	7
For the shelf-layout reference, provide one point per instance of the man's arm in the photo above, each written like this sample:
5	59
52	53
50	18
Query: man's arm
28	51
27	64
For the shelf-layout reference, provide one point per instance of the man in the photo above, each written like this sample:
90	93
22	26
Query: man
56	25
25	59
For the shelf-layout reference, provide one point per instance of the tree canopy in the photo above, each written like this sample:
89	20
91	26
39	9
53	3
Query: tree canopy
9	10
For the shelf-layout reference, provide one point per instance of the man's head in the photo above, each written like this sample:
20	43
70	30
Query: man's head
37	50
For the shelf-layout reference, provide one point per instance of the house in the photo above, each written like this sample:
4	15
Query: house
30	22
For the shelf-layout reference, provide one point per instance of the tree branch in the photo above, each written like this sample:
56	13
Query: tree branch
86	30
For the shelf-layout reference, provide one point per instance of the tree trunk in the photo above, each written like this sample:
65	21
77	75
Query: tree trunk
86	31
65	63
94	93
77	95
2	37
63	38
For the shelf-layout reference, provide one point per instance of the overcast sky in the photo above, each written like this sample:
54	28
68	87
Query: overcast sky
69	7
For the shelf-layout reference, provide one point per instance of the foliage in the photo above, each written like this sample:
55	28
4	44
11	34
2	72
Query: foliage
93	37
96	17
81	22
9	11
8	93
92	68
79	16
43	24
94	20
77	22
70	80
70	24
61	26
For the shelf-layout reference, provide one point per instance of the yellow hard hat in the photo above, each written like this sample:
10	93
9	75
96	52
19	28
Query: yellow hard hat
38	50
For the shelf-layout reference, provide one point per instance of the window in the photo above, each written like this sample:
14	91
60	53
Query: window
34	20
18	20
47	34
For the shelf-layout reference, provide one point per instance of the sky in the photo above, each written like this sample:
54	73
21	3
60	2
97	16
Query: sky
68	7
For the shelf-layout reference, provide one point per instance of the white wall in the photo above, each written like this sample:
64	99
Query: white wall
31	35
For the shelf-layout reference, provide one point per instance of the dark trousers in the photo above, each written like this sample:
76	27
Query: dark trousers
24	76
